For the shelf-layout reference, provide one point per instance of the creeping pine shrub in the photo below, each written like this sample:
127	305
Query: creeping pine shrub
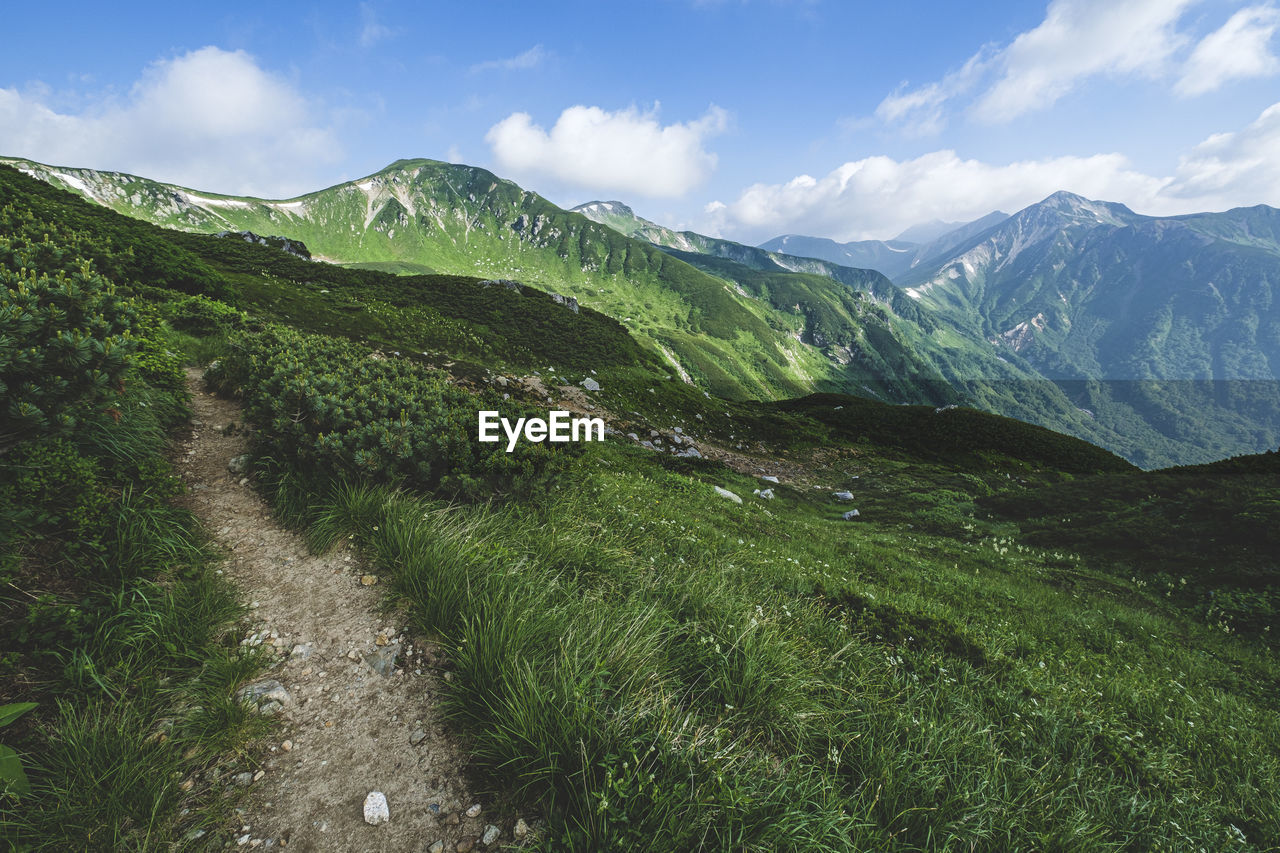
65	341
53	494
335	409
201	316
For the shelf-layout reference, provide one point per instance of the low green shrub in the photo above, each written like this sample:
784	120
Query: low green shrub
329	406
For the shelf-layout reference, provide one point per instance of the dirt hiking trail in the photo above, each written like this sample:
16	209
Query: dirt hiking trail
354	695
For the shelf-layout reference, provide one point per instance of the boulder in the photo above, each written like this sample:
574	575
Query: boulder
725	493
842	496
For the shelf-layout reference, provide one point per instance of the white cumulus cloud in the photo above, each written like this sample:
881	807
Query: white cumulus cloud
877	197
625	151
209	119
1241	48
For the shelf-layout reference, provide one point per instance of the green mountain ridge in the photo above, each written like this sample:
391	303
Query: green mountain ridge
1172	319
738	321
419	214
845	335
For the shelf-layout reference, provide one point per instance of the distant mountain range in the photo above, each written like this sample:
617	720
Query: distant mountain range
912	248
1157	338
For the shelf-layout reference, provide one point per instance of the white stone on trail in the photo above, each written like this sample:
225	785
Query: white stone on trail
769	478
375	808
474	811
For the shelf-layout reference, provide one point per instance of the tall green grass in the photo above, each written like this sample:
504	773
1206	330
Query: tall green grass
657	669
118	626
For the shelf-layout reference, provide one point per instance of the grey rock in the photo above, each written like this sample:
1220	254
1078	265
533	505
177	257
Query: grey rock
567	301
689	453
474	810
769	478
767	494
725	493
244	779
842	496
590	384
383	661
376	810
521	830
268	696
633	436
238	464
438	847
491	834
850	515
417	737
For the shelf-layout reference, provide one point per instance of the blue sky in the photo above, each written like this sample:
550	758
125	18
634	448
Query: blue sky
746	118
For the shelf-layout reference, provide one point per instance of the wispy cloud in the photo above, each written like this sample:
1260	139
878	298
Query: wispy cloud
1241	48
372	30
1080	40
531	58
919	112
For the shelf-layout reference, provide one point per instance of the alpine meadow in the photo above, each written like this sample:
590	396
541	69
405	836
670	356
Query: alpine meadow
454	507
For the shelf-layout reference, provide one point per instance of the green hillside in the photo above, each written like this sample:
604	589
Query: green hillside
459	220
1019	642
717	327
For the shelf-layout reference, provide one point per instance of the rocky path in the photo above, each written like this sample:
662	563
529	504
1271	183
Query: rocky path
356	697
